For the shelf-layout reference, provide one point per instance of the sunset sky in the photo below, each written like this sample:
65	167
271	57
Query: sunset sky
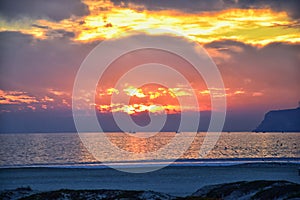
254	43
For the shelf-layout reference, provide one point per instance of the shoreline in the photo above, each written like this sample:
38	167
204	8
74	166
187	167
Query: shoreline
156	163
173	180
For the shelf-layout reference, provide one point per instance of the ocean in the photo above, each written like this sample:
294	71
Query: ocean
67	149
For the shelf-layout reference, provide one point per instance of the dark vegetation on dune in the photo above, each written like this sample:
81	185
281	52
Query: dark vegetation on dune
237	190
253	189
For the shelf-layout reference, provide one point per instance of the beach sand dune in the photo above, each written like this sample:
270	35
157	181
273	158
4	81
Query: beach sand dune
245	190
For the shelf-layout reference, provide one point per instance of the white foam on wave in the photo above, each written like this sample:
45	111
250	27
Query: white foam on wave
158	163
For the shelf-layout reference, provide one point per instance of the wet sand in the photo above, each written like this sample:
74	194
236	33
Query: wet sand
177	181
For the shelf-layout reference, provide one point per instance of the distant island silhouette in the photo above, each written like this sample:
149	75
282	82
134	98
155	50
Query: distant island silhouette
287	120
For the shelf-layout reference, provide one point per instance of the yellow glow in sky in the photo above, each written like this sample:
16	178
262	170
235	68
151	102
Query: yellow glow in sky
250	26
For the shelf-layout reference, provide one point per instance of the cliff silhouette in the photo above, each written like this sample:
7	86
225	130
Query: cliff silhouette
280	121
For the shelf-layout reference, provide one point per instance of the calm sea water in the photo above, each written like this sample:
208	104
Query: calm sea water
67	148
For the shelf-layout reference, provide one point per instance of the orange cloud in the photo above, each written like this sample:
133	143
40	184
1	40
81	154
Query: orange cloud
138	108
47	99
110	91
257	94
57	92
239	92
179	92
155	93
16	97
132	91
23	101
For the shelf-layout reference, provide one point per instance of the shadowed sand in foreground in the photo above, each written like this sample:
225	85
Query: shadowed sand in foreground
175	181
237	190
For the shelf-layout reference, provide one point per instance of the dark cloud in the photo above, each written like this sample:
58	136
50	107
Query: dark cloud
223	44
60	34
40	26
54	9
292	7
272	70
28	64
186	5
55	33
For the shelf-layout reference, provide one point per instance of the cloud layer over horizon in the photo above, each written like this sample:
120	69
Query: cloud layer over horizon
255	45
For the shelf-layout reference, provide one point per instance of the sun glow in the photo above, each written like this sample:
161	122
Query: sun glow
152	99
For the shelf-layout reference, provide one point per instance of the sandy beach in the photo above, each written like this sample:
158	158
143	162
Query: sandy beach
177	181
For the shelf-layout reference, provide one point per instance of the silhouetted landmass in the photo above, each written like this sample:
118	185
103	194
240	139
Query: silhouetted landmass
237	190
280	121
